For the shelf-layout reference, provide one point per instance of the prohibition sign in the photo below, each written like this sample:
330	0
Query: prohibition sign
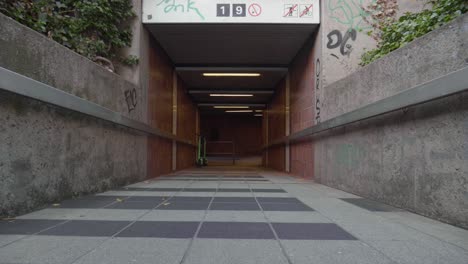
255	10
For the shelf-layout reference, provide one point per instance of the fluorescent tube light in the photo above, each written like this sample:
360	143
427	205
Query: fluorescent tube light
231	95
231	74
239	111
258	115
230	107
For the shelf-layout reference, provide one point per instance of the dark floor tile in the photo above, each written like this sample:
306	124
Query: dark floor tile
198	176
147	199
233	190
235	206
86	228
262	200
235	230
25	226
370	205
161	229
256	180
199	190
133	205
306	231
269	190
300	207
183	206
243	179
191	199
234	200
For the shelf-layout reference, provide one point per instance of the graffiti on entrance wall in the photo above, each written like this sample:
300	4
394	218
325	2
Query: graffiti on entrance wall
337	40
131	99
350	13
182	7
318	71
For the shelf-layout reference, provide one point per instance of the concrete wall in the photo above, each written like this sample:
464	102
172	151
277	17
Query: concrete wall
415	159
341	55
46	153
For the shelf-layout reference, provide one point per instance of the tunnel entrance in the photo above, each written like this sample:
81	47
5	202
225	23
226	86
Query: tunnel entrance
231	58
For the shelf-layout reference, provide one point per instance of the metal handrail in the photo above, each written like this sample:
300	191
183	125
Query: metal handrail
450	84
21	85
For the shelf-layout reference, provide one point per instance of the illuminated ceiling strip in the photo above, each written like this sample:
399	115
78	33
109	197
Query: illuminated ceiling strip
230	107
239	111
231	74
231	95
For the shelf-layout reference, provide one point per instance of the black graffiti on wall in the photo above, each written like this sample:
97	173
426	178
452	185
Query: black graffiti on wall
131	99
318	70
336	39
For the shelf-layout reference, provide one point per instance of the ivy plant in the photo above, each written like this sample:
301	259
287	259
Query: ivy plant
93	28
410	26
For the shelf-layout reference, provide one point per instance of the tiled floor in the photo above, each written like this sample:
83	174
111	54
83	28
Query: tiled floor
215	215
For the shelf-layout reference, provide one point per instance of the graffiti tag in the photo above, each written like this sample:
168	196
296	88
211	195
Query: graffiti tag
349	12
336	39
318	71
176	6
131	99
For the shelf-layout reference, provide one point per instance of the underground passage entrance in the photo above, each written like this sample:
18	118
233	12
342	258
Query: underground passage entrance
232	59
309	159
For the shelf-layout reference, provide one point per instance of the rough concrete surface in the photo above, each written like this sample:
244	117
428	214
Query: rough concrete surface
416	158
47	153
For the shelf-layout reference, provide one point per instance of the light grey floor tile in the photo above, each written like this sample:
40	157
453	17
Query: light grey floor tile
117	193
48	249
235	216
205	184
137	250
174	215
152	193
431	227
259	194
200	194
333	252
234	185
6	239
296	217
55	214
233	194
229	251
422	252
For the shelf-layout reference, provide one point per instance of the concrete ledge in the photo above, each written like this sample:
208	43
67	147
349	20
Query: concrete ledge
415	159
47	153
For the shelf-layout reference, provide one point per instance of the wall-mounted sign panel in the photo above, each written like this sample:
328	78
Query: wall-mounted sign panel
231	11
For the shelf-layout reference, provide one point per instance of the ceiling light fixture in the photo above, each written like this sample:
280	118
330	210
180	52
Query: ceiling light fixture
231	95
258	115
239	111
230	107
231	74
259	111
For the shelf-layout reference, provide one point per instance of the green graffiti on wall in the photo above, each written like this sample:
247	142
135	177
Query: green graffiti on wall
185	7
349	13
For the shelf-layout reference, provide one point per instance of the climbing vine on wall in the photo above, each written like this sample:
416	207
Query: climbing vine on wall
395	34
96	29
